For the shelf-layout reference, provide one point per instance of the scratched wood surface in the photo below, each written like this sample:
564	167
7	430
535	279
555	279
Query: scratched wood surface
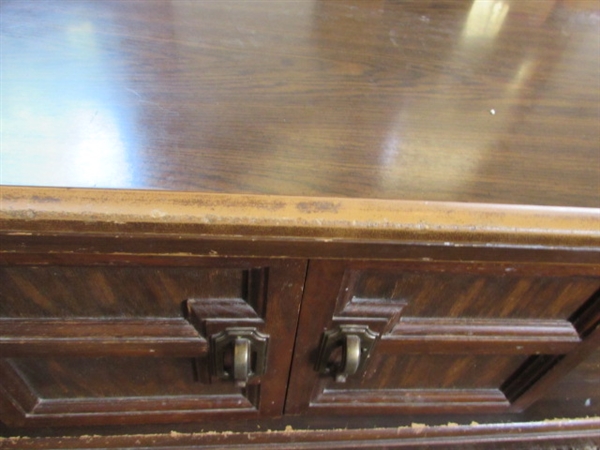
469	101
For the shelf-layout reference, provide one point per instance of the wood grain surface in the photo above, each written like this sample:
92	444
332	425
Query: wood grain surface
468	101
99	341
482	344
453	146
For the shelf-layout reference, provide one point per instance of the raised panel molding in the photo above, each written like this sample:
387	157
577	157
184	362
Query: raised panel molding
389	401
550	345
67	343
481	336
213	315
21	405
100	337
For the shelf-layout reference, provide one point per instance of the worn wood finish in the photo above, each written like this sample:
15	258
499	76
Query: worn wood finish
580	433
470	101
124	213
35	245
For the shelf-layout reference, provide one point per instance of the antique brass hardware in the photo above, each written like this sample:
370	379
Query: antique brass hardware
239	354
355	341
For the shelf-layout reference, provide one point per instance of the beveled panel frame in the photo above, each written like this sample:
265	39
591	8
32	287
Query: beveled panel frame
268	285
553	345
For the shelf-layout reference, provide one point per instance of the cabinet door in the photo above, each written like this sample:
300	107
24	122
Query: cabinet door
380	338
93	340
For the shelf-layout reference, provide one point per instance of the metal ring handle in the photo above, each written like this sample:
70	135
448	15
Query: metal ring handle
249	349
351	358
241	361
356	342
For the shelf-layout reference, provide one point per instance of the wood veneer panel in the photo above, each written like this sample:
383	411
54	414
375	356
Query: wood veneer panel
114	377
111	291
573	397
114	390
476	295
423	371
525	320
94	370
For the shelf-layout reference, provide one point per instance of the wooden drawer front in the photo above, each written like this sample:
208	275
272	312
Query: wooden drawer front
113	341
450	338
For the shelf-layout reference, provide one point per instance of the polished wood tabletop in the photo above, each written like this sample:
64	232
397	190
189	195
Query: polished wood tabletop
492	101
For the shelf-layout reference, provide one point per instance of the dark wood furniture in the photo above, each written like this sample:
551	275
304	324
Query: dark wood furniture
305	223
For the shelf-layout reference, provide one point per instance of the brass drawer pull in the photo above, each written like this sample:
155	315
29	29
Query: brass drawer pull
248	348
356	342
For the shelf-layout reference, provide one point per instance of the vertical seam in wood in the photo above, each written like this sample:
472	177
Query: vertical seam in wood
299	313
